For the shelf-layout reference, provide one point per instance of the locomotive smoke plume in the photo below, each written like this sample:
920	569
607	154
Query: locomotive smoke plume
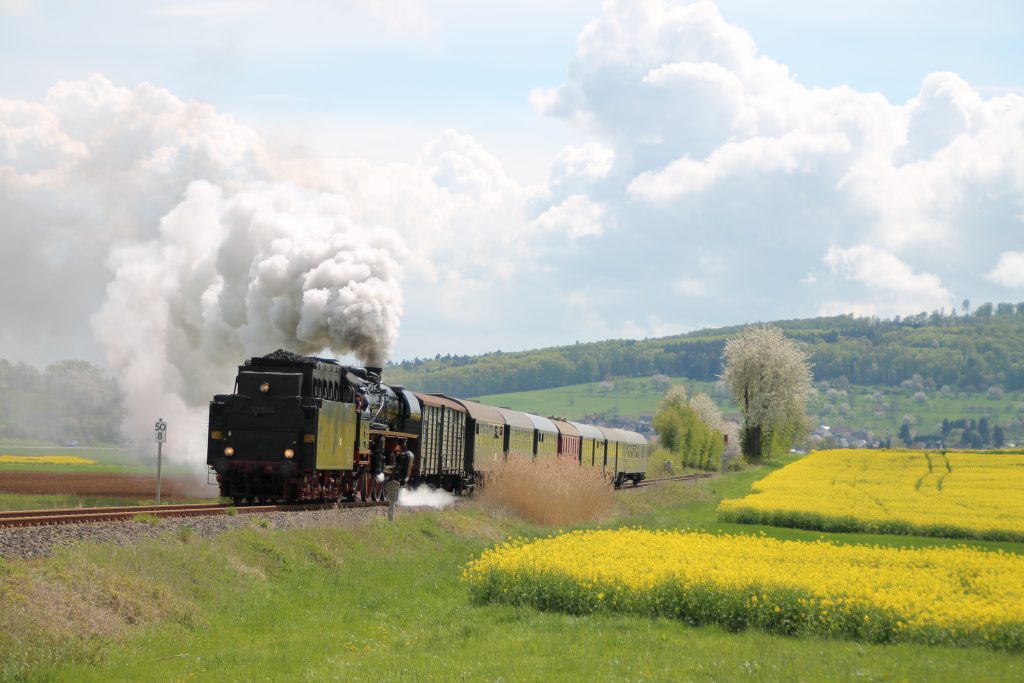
237	274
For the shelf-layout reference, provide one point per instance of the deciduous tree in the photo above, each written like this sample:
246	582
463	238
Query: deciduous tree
769	377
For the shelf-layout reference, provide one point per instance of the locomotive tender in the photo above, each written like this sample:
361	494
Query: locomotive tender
310	429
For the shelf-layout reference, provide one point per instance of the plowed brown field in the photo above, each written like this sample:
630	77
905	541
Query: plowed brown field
108	485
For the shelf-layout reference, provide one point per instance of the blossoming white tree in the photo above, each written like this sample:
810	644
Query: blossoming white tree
707	410
769	377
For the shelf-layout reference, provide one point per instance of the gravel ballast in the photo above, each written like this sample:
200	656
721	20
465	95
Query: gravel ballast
39	541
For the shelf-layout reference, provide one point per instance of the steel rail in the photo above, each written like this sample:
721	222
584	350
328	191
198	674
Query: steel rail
651	482
86	515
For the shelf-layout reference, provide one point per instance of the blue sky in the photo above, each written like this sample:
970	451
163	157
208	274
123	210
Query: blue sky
532	181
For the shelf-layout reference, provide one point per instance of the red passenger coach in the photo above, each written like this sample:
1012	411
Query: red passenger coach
568	440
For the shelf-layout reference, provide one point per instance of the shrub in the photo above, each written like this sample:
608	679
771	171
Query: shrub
656	464
550	491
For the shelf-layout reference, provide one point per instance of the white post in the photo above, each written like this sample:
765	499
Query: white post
159	457
160	430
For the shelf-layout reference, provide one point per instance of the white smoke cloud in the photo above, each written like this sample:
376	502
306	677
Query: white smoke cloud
190	247
272	266
92	166
167	224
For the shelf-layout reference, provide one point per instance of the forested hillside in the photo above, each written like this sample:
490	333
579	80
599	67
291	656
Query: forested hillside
75	401
974	351
69	402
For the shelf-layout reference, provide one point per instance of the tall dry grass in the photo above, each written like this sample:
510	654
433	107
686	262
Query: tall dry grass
549	491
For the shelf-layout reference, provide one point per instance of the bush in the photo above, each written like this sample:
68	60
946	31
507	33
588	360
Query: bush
656	464
550	491
693	443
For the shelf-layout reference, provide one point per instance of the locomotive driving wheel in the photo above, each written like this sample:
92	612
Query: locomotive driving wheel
368	487
376	488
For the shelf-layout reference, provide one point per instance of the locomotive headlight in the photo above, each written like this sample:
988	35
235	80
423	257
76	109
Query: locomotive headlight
289	453
265	387
229	451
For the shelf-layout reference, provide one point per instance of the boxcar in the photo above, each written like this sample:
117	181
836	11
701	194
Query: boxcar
442	456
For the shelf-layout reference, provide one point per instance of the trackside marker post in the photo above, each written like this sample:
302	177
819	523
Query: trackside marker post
392	489
160	431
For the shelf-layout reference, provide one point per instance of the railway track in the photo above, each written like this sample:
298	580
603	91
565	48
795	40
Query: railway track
15	518
652	482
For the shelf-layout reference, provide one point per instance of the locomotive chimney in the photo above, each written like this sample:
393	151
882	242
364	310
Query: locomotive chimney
379	372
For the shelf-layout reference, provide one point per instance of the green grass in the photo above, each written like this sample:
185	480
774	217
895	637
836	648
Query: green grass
108	459
880	410
383	601
42	501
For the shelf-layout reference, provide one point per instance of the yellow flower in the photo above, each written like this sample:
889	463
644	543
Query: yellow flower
892	491
956	590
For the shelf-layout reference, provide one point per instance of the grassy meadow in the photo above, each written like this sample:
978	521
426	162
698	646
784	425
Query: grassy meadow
108	458
106	461
626	397
880	410
384	601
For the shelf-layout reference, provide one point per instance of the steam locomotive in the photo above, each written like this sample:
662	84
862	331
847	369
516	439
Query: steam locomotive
305	429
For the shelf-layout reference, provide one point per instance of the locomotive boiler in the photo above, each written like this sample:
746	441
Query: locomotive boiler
310	429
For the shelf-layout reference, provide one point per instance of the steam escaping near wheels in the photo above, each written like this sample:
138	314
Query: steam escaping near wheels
425	496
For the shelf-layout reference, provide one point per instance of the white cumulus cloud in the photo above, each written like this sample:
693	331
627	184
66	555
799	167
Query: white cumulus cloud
894	284
1009	271
719	147
577	217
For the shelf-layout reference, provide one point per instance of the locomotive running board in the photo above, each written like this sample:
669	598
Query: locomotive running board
388	432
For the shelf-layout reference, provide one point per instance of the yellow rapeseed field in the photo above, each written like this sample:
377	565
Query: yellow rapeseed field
46	460
955	494
949	595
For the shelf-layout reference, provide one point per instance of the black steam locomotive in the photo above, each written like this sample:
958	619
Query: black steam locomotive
310	429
